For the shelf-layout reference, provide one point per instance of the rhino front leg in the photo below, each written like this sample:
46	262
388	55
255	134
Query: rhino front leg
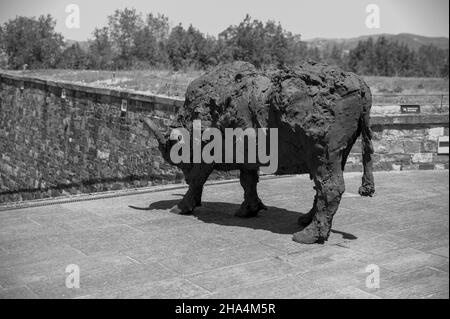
252	203
196	177
329	185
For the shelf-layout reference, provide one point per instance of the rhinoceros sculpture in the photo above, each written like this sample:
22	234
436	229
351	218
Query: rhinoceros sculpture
319	111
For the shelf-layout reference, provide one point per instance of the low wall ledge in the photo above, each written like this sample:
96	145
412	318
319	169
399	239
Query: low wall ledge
408	119
119	93
400	119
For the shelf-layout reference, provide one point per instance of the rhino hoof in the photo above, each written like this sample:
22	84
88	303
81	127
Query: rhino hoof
307	236
247	211
177	210
366	190
244	212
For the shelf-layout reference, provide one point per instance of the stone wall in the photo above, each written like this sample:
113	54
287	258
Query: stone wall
60	138
404	142
51	146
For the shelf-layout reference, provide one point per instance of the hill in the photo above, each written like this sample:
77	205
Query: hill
413	41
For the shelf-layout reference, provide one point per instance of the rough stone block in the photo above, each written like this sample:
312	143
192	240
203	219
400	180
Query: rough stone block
426	166
422	158
357	146
377	134
429	146
353	168
382	166
354	159
403	159
381	147
411	146
435	132
410	167
441	159
103	155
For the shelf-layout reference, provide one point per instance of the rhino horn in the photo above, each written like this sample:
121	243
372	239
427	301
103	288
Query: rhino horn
152	127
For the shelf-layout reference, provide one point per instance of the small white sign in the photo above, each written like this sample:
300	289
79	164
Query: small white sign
124	106
443	145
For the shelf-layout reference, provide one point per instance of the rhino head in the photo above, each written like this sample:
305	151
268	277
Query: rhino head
164	141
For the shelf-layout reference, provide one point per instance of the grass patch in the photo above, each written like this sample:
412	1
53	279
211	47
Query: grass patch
396	85
174	84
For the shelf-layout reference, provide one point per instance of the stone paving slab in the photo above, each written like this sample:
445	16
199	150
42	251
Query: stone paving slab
145	251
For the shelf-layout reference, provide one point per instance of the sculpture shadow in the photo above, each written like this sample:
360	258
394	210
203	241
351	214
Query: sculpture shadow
274	219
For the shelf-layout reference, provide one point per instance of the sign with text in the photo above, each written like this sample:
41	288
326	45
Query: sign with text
410	108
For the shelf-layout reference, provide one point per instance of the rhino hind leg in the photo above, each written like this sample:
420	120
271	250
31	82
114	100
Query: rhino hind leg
252	204
196	178
329	185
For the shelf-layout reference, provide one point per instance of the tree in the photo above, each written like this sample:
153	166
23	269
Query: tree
275	44
258	43
131	39
100	50
145	46
151	40
444	69
431	60
314	54
122	27
391	58
297	51
33	42
3	56
333	55
74	58
190	48
158	26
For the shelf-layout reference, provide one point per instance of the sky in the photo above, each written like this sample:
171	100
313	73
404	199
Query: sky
310	18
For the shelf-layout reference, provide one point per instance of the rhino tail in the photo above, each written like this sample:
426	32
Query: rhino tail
368	186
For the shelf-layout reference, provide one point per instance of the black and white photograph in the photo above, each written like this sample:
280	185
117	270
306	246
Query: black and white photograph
224	157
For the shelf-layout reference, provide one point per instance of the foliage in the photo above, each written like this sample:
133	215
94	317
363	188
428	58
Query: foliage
32	42
131	40
390	58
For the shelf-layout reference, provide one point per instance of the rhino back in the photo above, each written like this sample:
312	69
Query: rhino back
312	103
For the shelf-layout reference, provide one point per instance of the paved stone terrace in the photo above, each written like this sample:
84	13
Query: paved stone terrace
124	252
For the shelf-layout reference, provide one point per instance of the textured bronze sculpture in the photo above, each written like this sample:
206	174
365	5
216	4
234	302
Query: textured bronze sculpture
319	112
